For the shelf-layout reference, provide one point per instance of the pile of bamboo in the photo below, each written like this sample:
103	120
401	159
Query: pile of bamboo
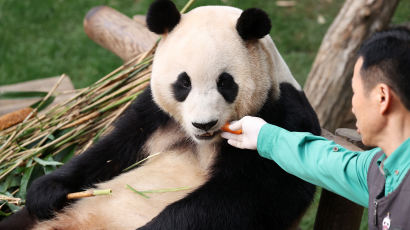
79	121
69	128
66	129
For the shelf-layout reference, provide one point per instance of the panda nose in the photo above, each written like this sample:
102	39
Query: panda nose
205	126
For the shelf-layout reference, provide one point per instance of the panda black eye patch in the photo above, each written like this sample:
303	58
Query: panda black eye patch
181	87
227	87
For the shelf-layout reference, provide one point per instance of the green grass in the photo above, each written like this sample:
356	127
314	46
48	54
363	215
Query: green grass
44	38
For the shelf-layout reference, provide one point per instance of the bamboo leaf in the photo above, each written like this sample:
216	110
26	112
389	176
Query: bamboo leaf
48	169
40	105
166	190
21	94
4	186
10	182
47	162
38	171
5	214
26	132
68	153
139	162
51	137
13	208
137	192
29	162
25	180
18	171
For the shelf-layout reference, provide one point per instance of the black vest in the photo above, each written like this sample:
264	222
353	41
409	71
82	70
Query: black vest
392	210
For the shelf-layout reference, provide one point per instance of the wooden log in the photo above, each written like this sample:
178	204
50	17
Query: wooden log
140	19
118	33
64	91
14	118
336	212
328	86
352	136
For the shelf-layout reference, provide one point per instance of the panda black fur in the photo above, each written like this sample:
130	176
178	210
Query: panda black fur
229	188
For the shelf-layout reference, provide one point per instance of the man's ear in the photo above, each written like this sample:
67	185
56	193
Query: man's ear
384	96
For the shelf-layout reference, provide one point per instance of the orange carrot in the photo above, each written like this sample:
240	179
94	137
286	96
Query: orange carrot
225	128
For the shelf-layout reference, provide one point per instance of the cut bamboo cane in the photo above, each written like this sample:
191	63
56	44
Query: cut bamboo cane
78	195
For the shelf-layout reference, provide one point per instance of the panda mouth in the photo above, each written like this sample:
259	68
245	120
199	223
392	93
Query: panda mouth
207	135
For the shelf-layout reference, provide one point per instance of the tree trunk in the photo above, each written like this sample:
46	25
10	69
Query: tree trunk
328	86
118	33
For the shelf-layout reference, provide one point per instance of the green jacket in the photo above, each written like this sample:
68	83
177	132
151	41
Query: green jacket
326	164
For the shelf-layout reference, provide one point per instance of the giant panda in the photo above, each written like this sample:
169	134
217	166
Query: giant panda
213	64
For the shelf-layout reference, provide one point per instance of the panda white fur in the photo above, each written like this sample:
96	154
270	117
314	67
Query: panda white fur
214	64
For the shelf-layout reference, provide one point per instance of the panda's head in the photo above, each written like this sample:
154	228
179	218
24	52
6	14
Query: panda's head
212	65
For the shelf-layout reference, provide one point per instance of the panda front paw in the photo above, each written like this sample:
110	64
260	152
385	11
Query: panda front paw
45	196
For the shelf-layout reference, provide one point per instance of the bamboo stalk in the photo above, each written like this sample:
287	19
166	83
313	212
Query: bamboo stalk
11	200
82	120
89	193
34	111
186	7
139	162
114	94
106	126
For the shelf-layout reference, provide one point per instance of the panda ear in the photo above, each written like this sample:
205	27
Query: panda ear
253	24
162	16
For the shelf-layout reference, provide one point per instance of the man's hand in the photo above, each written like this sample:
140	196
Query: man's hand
250	129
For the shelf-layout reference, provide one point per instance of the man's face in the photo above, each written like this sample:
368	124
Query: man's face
364	107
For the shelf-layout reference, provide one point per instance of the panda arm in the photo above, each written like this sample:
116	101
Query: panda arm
292	111
104	160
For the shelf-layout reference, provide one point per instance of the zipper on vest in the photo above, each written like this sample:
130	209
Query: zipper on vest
375	212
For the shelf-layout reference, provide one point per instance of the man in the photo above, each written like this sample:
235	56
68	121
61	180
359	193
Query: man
379	178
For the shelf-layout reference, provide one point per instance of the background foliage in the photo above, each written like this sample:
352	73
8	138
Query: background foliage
44	38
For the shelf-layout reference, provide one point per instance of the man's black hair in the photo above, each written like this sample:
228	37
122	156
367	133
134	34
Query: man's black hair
386	59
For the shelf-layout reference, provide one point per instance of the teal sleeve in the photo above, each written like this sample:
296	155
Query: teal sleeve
318	161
